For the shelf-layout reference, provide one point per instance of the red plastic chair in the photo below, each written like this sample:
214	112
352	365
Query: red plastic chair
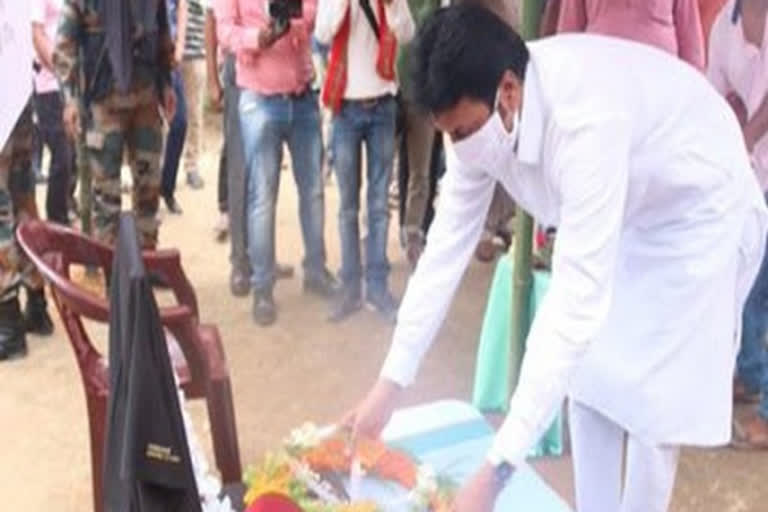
202	372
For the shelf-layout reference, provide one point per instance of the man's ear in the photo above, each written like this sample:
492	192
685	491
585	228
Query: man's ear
511	92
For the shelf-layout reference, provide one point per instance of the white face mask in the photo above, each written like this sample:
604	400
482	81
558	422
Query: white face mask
491	145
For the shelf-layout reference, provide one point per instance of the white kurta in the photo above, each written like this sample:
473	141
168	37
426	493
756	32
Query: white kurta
661	229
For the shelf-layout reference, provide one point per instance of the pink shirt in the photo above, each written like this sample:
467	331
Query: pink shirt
285	67
46	13
672	25
736	65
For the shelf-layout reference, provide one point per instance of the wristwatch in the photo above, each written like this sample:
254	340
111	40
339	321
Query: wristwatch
502	470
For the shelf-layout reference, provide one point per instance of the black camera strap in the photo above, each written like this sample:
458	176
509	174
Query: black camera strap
368	11
736	15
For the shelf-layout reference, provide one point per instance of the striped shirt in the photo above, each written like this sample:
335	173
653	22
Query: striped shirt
194	46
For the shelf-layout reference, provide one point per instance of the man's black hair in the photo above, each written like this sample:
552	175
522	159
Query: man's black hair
462	52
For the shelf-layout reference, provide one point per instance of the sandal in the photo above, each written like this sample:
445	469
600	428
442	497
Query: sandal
747	437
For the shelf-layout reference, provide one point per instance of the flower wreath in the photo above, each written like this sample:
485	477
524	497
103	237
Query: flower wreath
311	457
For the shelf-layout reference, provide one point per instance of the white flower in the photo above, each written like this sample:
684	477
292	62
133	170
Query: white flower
215	505
426	486
426	479
304	437
313	481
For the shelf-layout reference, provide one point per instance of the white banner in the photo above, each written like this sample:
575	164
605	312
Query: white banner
15	63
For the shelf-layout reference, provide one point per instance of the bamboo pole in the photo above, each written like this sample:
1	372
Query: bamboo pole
83	170
530	18
522	279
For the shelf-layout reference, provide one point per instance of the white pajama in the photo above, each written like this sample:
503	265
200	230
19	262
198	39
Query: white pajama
598	456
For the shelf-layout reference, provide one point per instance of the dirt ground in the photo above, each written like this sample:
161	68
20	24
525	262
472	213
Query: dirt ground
300	369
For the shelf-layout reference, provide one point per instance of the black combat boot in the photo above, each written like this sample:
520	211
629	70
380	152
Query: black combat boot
36	317
13	340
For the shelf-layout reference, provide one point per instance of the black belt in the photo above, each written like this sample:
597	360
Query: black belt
369	103
289	95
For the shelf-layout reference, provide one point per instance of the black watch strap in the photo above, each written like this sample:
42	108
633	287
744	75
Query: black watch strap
502	472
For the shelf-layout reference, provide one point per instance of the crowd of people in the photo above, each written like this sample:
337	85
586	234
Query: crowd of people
330	81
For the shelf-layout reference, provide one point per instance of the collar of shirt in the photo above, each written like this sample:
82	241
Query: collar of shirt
531	119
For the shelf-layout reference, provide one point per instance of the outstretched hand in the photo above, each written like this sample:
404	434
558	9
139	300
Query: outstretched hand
368	419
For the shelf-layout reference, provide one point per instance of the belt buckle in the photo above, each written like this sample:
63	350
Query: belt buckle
291	96
369	104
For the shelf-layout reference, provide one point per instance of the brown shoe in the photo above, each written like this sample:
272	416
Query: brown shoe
751	435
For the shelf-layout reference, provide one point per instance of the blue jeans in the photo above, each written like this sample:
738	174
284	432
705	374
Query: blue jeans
267	122
753	357
373	125
177	133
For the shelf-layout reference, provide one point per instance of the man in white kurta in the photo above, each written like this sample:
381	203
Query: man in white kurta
661	229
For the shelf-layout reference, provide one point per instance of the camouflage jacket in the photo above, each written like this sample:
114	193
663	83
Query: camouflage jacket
80	54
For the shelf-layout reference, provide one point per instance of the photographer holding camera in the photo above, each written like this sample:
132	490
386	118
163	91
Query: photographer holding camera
271	41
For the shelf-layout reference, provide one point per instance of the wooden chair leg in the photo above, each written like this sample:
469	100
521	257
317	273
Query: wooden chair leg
97	416
221	414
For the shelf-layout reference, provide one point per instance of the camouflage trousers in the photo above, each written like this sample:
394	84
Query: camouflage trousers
17	203
126	124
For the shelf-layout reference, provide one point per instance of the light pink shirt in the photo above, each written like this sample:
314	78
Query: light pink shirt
672	25
285	67
735	65
46	13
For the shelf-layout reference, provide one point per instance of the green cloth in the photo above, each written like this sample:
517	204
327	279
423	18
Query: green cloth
492	373
420	10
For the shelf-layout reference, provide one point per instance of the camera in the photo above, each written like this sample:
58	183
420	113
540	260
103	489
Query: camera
281	11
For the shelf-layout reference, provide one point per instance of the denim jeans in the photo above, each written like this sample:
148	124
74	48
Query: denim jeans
373	125
753	357
177	133
267	122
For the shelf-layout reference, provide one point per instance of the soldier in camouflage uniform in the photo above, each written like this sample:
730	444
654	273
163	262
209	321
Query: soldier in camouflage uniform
120	120
17	203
